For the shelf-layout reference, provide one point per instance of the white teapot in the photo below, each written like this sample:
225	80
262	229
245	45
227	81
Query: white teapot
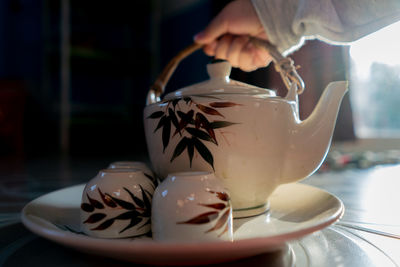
250	138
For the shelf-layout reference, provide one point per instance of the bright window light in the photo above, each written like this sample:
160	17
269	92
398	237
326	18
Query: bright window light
375	83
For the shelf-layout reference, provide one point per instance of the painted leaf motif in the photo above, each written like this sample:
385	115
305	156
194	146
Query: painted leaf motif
202	121
212	134
94	218
107	200
180	147
104	225
189	116
217	206
87	207
95	203
155	115
190	149
186	118
223	104
166	133
132	223
151	178
127	215
198	121
221	221
154	183
200	134
202	218
175	102
146	222
222	195
135	199
122	203
181	114
225	230
221	124
147	203
208	110
204	152
148	193
174	119
161	123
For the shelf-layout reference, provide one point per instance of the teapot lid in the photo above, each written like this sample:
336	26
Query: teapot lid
220	83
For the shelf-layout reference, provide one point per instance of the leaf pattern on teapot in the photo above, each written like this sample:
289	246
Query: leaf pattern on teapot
197	125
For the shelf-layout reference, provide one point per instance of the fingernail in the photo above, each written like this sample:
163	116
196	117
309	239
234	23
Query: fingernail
198	36
249	46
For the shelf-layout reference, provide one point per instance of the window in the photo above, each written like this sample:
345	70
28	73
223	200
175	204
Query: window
375	84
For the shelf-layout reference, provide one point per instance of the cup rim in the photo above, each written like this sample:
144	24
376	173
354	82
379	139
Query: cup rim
191	174
126	163
120	170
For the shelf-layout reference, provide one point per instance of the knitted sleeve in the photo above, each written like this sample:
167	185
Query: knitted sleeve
289	22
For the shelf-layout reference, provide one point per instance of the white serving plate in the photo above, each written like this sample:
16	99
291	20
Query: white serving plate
296	210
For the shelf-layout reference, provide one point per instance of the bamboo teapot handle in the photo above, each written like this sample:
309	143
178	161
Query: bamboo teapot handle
283	65
157	89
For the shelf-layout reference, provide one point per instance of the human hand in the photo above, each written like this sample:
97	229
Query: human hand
227	36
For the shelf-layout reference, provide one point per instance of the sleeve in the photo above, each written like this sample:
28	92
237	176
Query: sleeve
289	22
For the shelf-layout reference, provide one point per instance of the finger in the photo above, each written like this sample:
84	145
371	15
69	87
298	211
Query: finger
209	49
261	58
223	45
246	58
236	47
260	63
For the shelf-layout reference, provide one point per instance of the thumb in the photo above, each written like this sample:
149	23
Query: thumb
217	27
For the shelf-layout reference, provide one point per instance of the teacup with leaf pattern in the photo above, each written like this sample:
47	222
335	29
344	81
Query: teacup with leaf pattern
117	204
191	207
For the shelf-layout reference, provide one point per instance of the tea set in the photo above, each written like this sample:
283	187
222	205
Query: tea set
218	150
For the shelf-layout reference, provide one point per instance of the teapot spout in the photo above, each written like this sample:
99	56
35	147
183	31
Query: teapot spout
310	139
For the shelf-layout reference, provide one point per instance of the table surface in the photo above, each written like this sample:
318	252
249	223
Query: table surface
367	235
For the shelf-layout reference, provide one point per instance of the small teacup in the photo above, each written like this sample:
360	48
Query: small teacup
117	204
191	207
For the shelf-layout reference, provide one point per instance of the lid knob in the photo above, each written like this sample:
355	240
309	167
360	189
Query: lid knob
219	69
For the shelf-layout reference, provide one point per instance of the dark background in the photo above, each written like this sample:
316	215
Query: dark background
117	49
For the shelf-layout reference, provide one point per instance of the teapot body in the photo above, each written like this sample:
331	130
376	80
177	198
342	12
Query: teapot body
242	139
250	138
